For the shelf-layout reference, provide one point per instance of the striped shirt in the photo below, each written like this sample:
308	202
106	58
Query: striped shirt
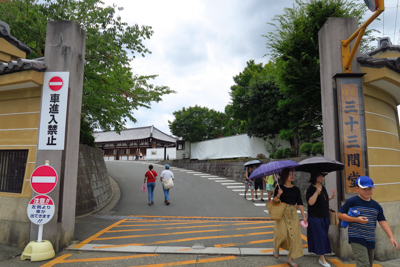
363	234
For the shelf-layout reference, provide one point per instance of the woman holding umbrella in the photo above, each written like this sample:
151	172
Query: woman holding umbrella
287	234
318	217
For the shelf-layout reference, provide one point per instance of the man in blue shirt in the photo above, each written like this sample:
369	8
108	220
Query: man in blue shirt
362	228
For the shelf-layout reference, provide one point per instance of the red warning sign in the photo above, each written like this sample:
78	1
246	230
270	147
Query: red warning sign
56	83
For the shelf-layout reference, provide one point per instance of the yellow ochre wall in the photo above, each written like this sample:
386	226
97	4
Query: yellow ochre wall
382	126
19	123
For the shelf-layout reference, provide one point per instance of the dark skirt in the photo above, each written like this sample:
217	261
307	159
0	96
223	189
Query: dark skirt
317	235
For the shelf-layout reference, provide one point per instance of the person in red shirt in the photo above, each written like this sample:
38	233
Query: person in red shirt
150	176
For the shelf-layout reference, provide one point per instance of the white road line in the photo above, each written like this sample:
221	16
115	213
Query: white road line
224	180
259	204
211	176
236	186
217	179
230	183
238	190
197	173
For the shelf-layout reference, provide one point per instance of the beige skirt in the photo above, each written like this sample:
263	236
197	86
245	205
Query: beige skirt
287	234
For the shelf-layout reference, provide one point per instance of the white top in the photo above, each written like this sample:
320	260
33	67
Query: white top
166	174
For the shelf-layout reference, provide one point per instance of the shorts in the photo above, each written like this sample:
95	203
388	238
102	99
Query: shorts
248	185
269	187
258	184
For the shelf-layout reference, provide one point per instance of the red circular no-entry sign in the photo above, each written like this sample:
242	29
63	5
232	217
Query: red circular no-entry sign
56	83
43	179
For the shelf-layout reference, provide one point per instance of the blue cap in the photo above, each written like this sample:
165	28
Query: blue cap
167	166
364	182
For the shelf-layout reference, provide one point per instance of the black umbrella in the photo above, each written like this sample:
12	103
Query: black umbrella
319	164
251	163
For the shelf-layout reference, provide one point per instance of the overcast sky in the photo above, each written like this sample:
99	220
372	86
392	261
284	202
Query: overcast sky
199	45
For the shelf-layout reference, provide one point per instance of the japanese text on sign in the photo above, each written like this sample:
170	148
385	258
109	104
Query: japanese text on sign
53	111
352	133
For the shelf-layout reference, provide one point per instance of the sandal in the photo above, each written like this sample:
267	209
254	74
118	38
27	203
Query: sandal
152	203
276	253
149	204
256	196
292	264
253	200
262	200
167	203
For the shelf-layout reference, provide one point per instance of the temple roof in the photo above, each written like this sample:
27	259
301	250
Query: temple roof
5	33
22	65
133	134
373	62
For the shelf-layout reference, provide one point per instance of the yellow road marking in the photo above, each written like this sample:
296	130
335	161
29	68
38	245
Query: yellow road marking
88	240
199	217
62	259
163	234
181	240
189	262
337	263
304	237
239	244
271	249
185	227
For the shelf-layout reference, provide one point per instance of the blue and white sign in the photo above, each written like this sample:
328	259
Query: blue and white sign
53	112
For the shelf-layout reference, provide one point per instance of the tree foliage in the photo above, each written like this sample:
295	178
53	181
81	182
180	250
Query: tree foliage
294	48
111	91
195	124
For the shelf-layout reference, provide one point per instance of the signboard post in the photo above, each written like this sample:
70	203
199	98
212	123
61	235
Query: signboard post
40	211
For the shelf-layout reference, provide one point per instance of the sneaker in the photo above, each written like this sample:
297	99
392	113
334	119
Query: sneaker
326	264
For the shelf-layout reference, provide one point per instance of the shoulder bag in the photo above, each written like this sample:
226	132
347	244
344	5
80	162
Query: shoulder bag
276	210
333	216
168	183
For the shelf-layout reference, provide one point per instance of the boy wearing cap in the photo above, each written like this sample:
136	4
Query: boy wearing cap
362	228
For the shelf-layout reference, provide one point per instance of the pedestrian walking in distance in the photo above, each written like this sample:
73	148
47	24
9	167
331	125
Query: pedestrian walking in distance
165	175
150	176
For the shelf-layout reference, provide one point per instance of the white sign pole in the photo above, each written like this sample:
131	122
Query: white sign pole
40	233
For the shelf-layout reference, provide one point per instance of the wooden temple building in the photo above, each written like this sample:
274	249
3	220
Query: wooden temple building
131	142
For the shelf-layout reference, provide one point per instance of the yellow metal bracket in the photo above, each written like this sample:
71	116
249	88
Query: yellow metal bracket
347	54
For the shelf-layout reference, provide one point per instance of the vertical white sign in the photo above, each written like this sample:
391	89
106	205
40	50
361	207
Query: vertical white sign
53	112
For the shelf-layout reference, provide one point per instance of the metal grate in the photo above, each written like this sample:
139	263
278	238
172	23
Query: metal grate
12	170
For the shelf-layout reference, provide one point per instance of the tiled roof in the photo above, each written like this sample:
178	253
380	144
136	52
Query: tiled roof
21	65
391	63
133	134
384	49
5	33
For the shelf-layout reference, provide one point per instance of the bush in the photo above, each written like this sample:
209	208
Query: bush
306	148
287	153
317	148
260	156
272	156
279	154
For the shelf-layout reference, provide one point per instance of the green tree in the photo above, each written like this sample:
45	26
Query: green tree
110	91
195	124
264	118
240	91
294	48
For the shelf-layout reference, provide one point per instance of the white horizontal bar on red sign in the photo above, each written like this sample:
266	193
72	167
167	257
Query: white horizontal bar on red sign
55	83
43	179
